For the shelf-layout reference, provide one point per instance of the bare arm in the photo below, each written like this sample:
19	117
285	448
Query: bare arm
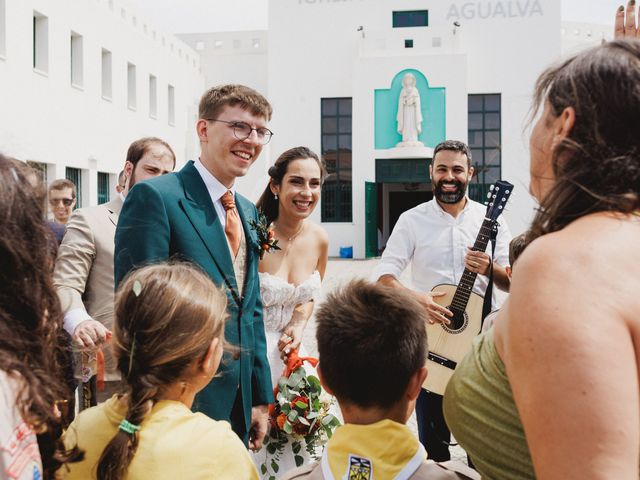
323	256
292	334
571	363
500	277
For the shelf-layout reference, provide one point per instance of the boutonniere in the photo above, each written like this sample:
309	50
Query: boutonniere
266	240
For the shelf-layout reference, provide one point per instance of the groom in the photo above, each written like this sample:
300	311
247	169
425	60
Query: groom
195	215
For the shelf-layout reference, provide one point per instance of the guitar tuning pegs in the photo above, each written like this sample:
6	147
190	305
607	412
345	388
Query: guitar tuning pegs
507	192
488	194
492	187
499	207
504	199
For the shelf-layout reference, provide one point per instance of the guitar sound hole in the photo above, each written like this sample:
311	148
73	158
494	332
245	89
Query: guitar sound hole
458	321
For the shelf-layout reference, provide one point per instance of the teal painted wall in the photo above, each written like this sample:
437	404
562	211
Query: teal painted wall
432	101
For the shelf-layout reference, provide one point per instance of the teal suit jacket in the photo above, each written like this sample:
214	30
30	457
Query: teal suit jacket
172	216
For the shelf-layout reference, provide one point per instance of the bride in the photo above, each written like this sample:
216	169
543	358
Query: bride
290	278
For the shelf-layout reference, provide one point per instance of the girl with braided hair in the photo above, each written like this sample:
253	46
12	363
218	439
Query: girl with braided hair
169	341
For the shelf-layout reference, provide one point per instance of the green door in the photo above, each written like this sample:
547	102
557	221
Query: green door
371	219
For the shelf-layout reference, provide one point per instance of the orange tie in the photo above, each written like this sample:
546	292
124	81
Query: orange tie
232	227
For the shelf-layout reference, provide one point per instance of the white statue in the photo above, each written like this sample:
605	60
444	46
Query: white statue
409	113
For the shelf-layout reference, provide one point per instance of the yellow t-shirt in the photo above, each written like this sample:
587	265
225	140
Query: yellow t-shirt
173	443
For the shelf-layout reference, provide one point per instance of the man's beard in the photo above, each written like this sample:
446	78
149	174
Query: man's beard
450	197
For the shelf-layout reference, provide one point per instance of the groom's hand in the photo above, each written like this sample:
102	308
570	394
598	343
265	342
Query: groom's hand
259	422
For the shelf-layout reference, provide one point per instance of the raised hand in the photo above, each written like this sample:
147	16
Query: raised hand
625	23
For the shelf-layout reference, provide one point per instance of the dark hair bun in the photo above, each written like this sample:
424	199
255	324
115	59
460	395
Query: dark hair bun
273	171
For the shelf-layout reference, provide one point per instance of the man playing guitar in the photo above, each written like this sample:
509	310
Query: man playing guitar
436	237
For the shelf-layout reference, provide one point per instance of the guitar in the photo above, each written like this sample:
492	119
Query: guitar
448	344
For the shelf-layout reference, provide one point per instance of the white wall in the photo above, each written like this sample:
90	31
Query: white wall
316	50
46	119
232	57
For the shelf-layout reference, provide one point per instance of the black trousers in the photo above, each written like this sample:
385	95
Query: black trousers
432	429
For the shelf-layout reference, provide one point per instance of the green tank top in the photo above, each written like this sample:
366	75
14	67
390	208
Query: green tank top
481	413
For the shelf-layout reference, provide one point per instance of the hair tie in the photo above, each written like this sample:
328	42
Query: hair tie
128	427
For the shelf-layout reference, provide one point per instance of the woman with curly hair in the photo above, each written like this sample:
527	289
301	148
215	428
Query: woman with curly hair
30	323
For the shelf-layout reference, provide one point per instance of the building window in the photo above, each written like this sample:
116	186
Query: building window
3	28
485	142
77	76
408	43
75	175
171	99
411	18
131	86
336	151
40	42
106	75
153	96
103	188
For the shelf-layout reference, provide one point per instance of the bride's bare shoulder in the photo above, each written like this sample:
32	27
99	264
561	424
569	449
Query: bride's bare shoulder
318	232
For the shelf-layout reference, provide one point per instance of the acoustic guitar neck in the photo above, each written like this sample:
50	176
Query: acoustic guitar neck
465	286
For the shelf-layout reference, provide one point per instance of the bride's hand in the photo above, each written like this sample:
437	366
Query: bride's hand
290	338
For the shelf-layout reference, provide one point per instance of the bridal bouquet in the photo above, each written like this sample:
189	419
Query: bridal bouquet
300	415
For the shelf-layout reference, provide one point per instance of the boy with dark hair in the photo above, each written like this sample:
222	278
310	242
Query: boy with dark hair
372	344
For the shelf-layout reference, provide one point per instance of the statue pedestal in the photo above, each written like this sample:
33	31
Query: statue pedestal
417	150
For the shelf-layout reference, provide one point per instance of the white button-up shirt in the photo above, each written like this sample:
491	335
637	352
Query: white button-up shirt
436	243
216	190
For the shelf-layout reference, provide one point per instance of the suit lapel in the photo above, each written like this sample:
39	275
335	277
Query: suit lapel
114	207
199	209
245	211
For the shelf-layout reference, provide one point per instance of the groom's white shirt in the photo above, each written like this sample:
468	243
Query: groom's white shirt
215	189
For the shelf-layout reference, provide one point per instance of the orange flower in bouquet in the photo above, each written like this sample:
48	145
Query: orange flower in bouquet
266	240
300	415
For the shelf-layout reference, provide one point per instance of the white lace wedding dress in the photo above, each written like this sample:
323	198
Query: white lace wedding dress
279	298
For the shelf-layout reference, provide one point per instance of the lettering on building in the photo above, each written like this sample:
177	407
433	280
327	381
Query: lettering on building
491	10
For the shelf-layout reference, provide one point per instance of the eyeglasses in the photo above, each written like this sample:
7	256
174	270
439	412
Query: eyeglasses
67	202
243	130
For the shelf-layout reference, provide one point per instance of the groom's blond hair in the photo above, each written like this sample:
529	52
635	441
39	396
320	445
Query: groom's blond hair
215	99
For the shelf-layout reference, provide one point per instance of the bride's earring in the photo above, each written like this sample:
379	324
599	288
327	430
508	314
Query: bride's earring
276	196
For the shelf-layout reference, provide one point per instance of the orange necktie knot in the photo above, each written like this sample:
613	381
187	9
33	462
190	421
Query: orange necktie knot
232	228
228	202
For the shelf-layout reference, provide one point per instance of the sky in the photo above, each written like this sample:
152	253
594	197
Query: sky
192	16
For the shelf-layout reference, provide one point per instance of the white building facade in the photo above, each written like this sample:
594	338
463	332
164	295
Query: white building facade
80	80
475	65
333	74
